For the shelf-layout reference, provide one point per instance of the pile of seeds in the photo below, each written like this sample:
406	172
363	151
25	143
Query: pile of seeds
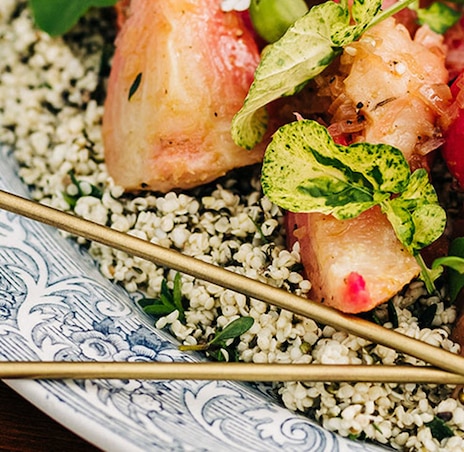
51	102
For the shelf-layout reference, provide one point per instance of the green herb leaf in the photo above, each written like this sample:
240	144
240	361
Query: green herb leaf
158	309
217	348
177	294
260	230
168	301
305	171
439	429
416	215
392	314
455	262
438	16
233	330
56	17
271	18
354	436
303	52
429	276
72	199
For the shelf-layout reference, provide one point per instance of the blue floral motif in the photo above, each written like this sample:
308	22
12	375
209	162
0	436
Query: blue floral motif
7	301
55	305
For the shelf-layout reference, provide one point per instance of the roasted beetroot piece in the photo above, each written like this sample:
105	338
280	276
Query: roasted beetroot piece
180	72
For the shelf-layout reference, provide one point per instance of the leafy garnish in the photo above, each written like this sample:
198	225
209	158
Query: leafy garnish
439	429
455	262
260	230
428	275
438	16
304	170
220	342
168	301
416	215
303	52
233	330
392	314
56	17
89	190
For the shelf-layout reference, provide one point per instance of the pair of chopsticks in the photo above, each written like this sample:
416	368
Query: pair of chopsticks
451	365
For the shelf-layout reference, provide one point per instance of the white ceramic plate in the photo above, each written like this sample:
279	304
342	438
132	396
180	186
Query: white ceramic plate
55	305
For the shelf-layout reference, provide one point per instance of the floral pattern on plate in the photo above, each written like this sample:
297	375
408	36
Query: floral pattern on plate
55	305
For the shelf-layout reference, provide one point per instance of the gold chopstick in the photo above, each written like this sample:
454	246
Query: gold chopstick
226	371
172	259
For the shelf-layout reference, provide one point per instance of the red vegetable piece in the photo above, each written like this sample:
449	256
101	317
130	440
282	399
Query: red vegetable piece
354	265
454	41
453	148
181	70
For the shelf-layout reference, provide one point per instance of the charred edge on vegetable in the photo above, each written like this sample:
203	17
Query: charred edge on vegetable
384	102
135	85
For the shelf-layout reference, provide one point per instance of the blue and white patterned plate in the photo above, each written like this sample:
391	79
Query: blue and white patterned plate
55	305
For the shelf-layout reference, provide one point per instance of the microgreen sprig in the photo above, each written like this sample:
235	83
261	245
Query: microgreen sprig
455	263
168	301
439	429
304	170
82	189
219	346
438	16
